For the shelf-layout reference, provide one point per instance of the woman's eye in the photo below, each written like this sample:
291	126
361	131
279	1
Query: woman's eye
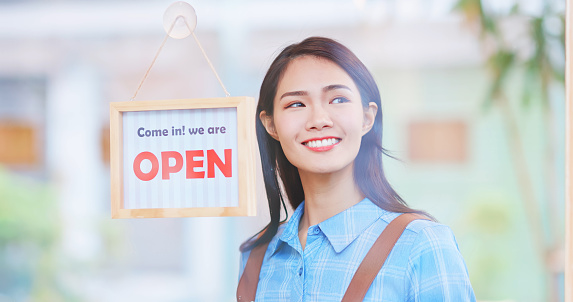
295	105
340	100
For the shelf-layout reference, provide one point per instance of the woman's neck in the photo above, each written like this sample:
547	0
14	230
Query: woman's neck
327	195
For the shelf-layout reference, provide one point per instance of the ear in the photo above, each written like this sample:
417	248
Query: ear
267	121
369	117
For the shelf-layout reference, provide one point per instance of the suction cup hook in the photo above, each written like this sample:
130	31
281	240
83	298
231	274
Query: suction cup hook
179	20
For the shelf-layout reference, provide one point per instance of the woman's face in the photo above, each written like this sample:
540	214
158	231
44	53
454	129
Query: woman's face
318	116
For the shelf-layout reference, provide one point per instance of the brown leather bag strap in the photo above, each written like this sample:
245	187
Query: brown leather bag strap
376	256
247	289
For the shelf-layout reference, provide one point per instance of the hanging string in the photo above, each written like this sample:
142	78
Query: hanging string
207	58
155	58
161	47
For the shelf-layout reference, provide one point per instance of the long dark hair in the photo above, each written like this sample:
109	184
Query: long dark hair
368	171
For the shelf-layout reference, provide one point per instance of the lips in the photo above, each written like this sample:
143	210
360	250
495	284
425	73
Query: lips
321	144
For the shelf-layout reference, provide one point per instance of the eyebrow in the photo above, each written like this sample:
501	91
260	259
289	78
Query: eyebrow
294	93
335	86
325	89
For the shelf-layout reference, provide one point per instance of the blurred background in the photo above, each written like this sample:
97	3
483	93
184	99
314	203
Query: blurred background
473	102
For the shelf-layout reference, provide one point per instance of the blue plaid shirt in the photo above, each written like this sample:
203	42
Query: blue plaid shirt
425	264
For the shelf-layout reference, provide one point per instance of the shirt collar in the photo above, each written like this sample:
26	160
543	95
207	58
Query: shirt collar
343	228
289	234
340	229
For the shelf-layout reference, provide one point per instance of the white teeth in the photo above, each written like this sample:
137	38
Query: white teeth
322	143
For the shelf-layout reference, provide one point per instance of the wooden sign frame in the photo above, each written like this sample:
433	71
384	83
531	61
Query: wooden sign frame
246	148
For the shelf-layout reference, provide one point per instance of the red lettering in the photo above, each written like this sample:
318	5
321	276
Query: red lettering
190	159
192	164
137	166
213	159
166	169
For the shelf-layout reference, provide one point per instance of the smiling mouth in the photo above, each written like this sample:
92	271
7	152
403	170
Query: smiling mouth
320	143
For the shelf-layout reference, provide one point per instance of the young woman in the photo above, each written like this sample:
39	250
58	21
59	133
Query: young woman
319	130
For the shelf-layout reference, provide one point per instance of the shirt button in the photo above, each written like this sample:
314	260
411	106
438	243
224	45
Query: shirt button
300	271
316	230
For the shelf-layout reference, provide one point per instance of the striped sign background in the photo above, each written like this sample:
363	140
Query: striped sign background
179	192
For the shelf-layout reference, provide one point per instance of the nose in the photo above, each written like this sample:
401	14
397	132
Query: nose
319	119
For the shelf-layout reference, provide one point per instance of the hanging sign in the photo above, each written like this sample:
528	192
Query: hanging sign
183	158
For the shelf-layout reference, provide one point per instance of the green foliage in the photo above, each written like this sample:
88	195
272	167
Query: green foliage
28	212
500	64
540	68
529	45
473	9
29	230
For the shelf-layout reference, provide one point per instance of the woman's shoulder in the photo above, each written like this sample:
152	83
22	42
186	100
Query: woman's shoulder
423	236
423	226
427	235
434	261
432	249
